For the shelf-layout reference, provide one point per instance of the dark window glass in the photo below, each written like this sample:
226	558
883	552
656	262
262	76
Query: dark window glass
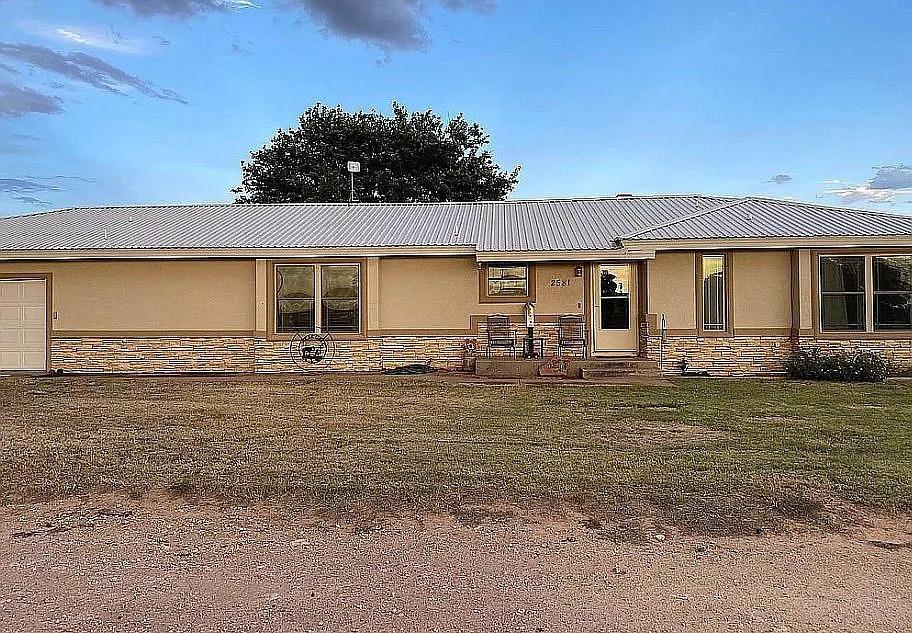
615	297
842	294
506	280
893	311
340	292
843	312
892	293
295	302
615	314
893	274
714	298
842	274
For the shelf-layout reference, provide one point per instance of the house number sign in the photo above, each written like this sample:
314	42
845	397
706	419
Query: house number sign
558	282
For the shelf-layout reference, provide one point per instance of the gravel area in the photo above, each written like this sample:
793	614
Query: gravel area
163	564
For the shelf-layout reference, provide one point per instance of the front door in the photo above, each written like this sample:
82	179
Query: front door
614	327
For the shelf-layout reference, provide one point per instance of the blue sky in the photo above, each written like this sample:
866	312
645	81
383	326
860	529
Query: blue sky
157	101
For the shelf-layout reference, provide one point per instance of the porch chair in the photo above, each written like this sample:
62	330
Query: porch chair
571	334
500	334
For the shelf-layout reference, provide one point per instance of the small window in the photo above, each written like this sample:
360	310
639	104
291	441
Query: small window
506	280
295	299
842	294
893	293
714	295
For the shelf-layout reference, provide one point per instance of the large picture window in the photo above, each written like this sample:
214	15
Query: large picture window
893	293
842	294
715	300
318	298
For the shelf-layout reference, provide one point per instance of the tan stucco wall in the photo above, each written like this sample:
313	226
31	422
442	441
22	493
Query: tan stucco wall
427	293
140	296
761	289
558	298
671	289
408	293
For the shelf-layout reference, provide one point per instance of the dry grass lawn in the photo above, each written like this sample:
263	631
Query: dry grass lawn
706	455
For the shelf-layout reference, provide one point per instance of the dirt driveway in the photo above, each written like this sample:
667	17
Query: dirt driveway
162	564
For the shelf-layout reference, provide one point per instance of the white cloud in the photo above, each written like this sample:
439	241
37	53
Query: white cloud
94	37
864	193
888	183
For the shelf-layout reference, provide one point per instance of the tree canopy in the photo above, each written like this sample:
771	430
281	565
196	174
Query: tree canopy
405	157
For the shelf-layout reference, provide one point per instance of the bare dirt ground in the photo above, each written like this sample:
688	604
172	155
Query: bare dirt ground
103	563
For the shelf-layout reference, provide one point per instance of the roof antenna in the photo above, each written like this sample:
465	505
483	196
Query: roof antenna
354	167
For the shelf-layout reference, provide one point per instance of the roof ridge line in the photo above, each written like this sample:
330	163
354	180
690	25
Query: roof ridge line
684	218
175	205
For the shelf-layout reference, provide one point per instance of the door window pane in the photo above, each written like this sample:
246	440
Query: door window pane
842	294
295	298
615	314
340	291
614	288
714	299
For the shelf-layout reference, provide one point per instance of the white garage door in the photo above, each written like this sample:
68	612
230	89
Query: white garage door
23	325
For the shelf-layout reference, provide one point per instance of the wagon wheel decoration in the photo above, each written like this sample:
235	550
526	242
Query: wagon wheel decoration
312	349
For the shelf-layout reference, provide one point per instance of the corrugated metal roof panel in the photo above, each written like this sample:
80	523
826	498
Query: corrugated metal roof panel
508	226
766	218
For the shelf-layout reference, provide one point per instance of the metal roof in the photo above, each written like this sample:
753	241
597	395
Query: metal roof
769	218
486	227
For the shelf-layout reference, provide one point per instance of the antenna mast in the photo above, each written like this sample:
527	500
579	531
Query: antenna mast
354	167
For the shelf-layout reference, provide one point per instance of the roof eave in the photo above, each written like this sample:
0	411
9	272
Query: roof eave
836	241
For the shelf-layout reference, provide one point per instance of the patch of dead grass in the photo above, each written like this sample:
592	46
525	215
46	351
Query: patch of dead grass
708	456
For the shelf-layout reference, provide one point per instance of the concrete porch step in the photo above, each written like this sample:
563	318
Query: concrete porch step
619	368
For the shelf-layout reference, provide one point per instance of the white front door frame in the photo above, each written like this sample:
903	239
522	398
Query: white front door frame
614	341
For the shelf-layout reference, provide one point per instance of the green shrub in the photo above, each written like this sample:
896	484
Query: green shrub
815	365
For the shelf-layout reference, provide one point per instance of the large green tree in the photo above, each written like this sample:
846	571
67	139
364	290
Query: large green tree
405	157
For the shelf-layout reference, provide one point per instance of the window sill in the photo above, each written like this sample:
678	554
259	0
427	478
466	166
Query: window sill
849	335
506	299
284	336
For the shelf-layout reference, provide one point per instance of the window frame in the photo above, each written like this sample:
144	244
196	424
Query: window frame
870	330
315	301
272	298
483	284
895	293
863	293
726	329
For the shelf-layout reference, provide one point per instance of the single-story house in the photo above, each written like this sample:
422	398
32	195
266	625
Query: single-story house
729	285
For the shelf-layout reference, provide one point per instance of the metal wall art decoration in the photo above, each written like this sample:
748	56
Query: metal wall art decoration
309	349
